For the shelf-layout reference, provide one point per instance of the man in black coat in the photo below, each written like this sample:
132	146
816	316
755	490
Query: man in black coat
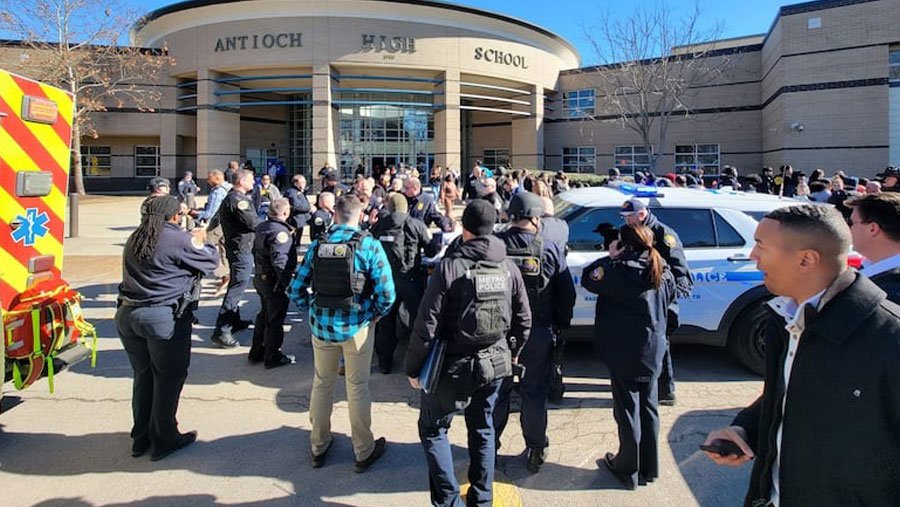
826	430
669	245
421	205
875	227
300	207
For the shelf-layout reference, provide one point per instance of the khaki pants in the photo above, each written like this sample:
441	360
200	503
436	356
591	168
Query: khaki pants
357	353
216	238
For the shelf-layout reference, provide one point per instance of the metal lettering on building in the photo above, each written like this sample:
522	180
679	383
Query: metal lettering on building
501	57
259	41
383	43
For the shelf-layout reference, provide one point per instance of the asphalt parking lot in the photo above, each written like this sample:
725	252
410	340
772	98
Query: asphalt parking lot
72	447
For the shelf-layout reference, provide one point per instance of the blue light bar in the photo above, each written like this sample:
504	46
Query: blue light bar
639	190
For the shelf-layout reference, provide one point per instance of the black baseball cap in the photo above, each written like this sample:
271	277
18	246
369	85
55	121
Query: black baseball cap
632	206
889	171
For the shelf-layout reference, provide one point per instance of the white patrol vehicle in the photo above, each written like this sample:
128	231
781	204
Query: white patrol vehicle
716	228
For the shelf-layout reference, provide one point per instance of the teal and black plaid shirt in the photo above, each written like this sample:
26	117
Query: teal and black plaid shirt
339	325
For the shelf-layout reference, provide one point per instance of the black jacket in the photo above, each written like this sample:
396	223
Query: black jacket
442	304
238	217
300	207
841	436
889	281
417	240
669	245
557	300
168	273
630	318
424	208
275	252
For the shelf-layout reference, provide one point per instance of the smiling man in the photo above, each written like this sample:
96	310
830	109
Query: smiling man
826	430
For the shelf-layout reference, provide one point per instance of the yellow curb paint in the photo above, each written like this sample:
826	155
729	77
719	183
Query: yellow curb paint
505	495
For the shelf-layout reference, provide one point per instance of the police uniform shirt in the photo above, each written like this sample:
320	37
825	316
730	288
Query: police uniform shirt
423	208
319	224
164	277
275	251
669	245
239	219
300	207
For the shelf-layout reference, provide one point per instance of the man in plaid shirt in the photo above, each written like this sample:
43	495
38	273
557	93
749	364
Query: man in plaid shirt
341	326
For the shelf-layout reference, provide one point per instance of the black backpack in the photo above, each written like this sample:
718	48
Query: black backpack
335	280
486	314
401	256
530	262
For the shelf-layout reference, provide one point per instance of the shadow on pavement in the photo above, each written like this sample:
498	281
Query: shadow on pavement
711	485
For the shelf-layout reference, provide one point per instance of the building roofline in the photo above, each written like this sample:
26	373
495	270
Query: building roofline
440	4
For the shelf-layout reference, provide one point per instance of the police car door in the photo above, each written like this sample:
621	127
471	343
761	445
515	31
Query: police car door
717	245
585	246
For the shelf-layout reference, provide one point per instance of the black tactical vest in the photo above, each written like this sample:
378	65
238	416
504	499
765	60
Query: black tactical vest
530	262
336	283
486	314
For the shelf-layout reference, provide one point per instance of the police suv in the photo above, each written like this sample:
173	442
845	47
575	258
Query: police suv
716	228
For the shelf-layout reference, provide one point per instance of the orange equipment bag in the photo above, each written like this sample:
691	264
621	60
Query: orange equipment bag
42	321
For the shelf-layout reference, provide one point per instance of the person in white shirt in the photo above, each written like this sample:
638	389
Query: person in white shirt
875	227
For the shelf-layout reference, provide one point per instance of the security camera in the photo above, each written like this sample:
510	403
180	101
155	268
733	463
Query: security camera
799	127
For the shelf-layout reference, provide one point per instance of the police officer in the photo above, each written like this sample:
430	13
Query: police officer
239	220
323	217
422	207
332	185
766	185
300	207
473	280
890	179
161	265
275	253
551	294
404	239
634	287
157	186
667	242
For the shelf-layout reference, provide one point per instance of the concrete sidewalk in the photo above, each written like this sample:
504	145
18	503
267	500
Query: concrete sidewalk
72	447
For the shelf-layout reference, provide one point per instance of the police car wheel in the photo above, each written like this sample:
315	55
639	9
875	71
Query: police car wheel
747	338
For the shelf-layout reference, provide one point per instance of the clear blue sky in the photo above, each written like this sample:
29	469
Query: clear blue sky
568	18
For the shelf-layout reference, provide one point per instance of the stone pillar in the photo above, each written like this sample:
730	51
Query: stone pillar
447	135
324	124
218	131
528	132
169	147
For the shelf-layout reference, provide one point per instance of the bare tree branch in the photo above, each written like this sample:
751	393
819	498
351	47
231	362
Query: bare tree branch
73	44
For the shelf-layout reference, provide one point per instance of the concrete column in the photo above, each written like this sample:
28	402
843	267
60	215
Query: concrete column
528	132
447	135
324	123
168	134
218	131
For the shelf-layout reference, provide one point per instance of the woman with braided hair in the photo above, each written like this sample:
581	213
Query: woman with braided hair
634	287
161	265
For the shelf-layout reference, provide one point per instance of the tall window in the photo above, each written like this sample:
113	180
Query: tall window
697	156
492	158
578	103
579	159
96	160
894	69
146	160
632	158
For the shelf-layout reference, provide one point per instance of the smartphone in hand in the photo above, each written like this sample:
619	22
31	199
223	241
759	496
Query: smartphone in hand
722	448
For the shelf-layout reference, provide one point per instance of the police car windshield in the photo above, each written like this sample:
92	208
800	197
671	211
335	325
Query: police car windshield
563	208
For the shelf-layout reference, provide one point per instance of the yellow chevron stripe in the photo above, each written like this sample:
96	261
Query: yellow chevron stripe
48	245
12	271
45	134
18	159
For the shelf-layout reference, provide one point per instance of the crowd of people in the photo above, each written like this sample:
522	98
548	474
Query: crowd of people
491	311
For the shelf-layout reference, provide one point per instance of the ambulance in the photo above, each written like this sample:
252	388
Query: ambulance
43	327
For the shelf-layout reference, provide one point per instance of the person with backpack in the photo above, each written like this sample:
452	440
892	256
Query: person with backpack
635	287
477	305
404	239
345	283
551	294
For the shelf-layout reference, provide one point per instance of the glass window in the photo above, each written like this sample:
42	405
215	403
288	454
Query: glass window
96	160
894	65
632	158
578	103
146	160
694	226
582	226
693	156
579	159
492	158
726	234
